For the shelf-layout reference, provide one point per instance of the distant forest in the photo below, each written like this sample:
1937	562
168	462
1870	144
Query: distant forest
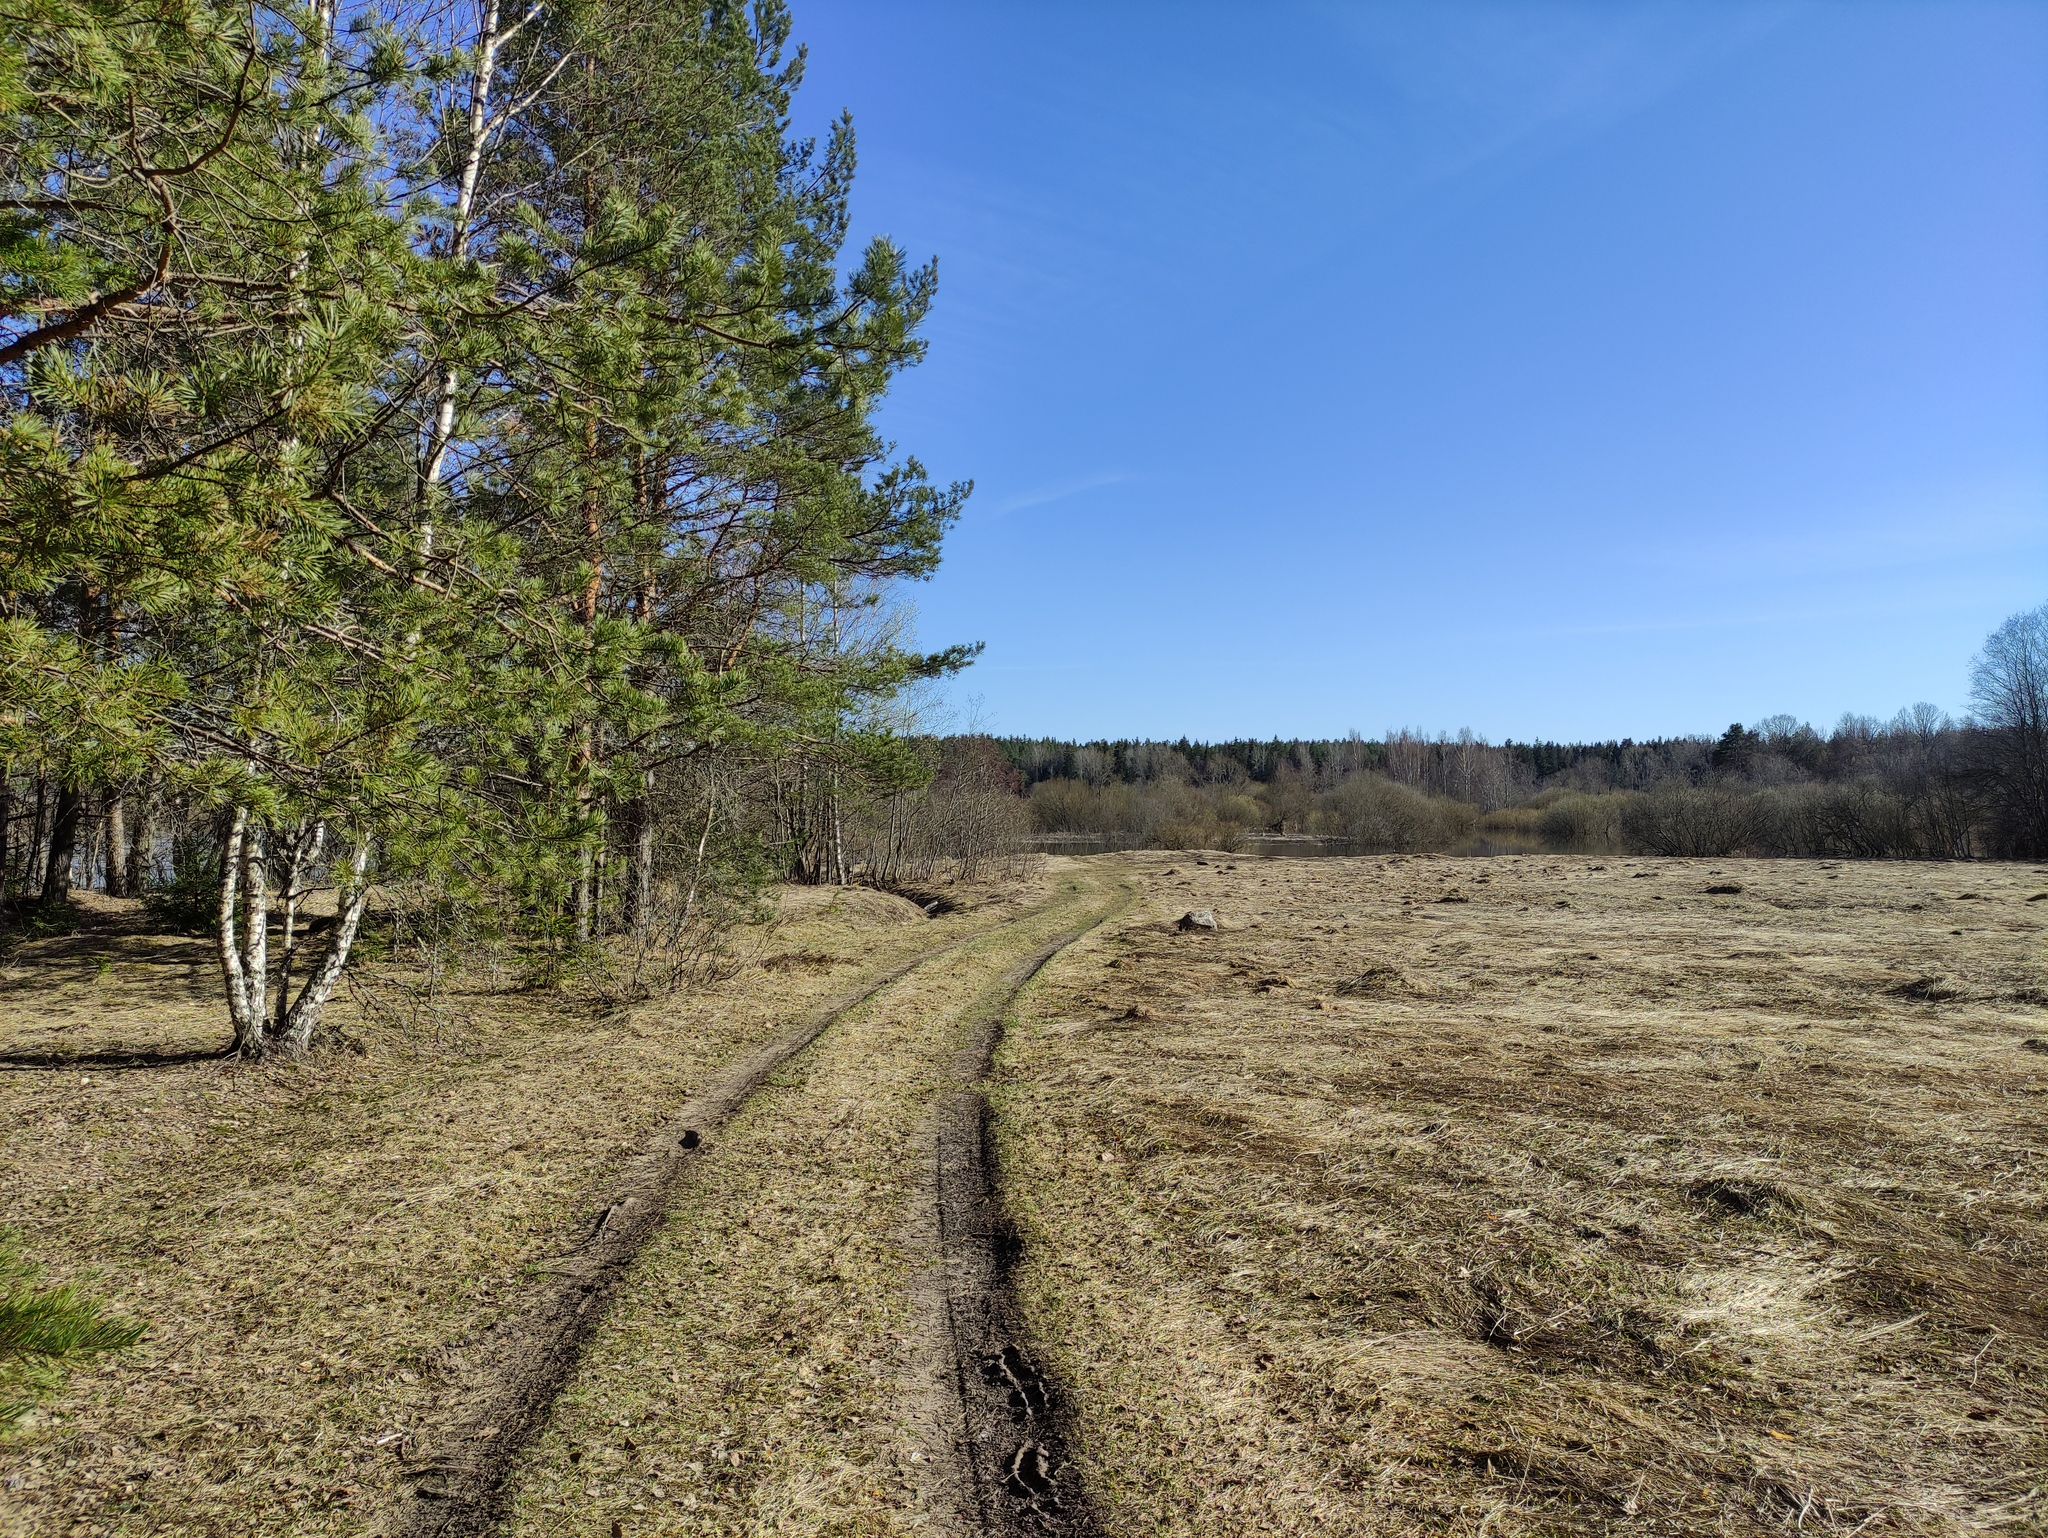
1918	786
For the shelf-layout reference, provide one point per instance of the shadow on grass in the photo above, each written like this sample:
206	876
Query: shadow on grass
113	1061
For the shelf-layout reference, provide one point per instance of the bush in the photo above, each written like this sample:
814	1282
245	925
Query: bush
1695	822
1382	817
1583	823
1857	821
189	902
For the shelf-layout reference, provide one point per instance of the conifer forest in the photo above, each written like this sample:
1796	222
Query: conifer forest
439	457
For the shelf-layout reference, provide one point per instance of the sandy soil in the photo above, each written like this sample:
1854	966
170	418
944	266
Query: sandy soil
1547	1195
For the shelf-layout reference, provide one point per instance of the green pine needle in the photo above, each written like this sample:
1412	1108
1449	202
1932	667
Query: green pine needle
42	1332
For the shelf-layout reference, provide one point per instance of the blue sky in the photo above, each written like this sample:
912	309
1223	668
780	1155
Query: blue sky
1565	371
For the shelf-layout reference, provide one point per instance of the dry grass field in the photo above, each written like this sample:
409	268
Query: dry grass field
309	1243
1527	1195
1547	1195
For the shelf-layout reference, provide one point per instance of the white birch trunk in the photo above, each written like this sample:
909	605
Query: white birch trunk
488	43
248	1020
641	891
305	853
256	922
304	1018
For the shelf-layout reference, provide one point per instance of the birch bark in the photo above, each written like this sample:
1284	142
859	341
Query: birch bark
304	1018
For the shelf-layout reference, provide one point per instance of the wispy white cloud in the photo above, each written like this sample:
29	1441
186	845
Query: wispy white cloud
1054	491
1461	87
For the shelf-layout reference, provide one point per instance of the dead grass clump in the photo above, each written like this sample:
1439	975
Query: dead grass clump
1377	978
857	907
1742	1198
802	961
1928	990
1515	1311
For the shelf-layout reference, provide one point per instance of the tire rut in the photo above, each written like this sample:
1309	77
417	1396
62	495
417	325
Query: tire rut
1001	1424
506	1381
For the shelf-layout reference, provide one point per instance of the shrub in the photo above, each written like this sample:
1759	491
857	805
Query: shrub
189	901
1382	817
1074	806
1696	822
1587	824
1857	821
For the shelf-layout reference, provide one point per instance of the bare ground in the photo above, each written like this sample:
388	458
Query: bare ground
1545	1195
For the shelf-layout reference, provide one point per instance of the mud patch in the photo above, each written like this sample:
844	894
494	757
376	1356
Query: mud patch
1004	1420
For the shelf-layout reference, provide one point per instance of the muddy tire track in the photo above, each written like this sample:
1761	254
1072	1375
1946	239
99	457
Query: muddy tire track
504	1383
1000	1425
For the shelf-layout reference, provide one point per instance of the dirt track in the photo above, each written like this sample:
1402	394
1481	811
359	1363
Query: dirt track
784	1359
329	1252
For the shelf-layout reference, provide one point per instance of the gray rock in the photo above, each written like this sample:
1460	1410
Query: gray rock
1197	918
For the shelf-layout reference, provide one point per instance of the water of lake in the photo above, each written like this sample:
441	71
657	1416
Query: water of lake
1479	845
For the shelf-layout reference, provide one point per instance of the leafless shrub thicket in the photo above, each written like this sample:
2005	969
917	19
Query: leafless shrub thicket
1380	815
970	822
1584	823
1690	821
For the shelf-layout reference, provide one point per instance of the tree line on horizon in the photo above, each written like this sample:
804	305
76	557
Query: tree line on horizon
1921	785
439	461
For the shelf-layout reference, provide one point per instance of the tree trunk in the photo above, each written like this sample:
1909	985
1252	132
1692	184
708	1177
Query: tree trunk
137	877
581	895
304	1018
93	826
245	994
117	847
838	834
697	867
63	845
32	857
489	40
6	834
640	881
305	851
256	920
